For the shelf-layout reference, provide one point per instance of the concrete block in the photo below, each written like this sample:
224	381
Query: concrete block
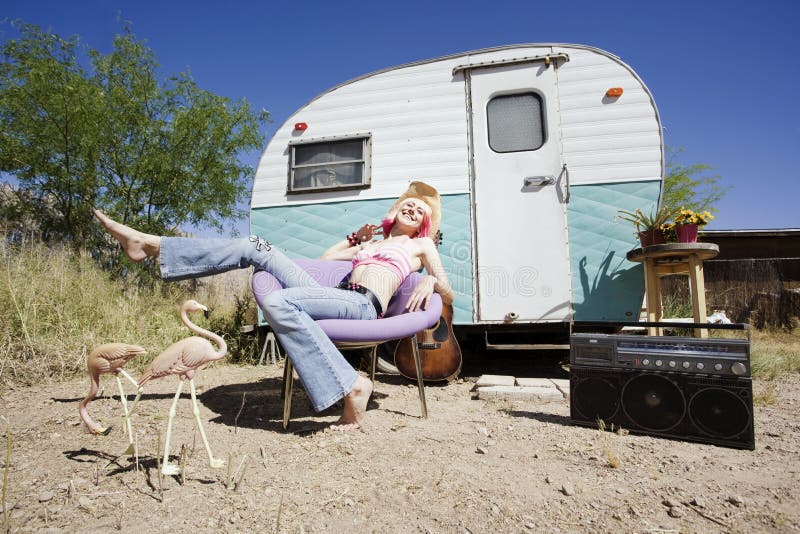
535	382
549	394
495	380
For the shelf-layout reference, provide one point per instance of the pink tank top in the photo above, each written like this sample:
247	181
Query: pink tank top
394	257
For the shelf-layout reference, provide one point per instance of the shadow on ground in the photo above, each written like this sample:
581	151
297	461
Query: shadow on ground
259	405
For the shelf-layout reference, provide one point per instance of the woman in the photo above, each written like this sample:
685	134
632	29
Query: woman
378	270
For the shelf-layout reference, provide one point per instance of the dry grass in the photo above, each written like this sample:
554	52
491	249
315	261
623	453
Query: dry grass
56	305
775	354
766	396
775	351
605	442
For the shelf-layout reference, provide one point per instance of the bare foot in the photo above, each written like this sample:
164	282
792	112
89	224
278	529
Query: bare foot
137	245
355	406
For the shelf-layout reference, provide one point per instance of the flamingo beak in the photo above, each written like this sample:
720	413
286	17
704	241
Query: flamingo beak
206	313
102	431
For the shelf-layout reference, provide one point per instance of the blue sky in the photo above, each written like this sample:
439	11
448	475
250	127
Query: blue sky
724	74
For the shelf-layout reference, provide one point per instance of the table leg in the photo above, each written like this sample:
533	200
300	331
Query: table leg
698	287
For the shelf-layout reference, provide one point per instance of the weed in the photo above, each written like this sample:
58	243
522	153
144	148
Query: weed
767	396
236	478
278	515
605	441
5	475
158	466
236	419
677	304
182	460
228	473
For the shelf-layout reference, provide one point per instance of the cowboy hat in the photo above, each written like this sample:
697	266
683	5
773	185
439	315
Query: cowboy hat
429	195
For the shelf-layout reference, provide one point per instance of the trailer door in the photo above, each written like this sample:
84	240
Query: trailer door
519	189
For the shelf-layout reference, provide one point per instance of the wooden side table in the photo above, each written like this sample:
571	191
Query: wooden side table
674	258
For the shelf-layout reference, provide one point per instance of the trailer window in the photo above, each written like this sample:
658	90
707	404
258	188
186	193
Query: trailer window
335	164
516	122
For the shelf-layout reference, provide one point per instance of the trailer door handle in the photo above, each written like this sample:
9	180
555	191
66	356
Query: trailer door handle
538	181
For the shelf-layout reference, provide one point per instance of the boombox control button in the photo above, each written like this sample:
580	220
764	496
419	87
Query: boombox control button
718	367
686	365
645	362
672	363
738	369
659	363
701	365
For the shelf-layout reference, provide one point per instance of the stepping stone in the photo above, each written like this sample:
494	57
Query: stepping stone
535	382
495	380
549	394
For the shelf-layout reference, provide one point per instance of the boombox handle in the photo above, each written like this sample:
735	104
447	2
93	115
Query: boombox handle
661	324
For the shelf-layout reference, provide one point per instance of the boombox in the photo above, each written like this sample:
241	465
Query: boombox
675	387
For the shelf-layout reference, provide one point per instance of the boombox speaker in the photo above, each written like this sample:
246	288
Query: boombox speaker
708	409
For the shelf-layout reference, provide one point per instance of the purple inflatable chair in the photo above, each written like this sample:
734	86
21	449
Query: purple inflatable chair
397	323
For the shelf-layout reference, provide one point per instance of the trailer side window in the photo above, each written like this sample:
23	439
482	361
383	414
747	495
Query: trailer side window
516	122
329	164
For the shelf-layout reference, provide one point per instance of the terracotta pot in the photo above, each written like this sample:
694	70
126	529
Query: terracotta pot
687	233
652	237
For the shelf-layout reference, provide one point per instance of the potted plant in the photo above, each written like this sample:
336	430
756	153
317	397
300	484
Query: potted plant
687	223
650	227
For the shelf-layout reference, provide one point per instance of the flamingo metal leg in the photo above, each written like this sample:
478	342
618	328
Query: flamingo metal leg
139	392
130	378
216	463
166	467
124	400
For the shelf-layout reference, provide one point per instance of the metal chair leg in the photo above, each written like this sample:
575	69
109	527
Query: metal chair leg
288	382
374	363
271	347
420	385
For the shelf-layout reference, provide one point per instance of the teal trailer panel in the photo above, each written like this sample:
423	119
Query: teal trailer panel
605	285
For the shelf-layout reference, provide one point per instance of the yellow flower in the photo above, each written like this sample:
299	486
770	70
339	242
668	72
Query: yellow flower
686	216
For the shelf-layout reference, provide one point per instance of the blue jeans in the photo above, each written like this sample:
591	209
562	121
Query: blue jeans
291	312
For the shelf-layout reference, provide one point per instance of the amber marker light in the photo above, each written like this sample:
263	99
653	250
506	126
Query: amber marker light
300	126
614	92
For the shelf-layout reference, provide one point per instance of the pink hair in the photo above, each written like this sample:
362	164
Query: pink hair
424	228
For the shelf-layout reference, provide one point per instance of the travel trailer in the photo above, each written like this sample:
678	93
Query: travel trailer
534	149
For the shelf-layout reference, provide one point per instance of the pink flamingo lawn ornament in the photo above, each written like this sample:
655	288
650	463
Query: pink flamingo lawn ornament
109	358
184	358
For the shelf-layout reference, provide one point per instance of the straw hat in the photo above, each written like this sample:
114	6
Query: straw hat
429	195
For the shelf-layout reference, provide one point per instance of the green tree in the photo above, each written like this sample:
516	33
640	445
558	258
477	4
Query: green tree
690	186
156	154
49	111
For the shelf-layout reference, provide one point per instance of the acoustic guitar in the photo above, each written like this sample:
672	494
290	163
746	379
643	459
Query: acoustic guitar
439	353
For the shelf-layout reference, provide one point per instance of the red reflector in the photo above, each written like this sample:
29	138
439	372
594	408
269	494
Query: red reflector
300	126
614	92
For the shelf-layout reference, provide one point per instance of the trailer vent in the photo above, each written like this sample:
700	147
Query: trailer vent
547	59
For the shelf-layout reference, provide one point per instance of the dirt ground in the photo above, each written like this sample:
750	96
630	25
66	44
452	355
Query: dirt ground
473	466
